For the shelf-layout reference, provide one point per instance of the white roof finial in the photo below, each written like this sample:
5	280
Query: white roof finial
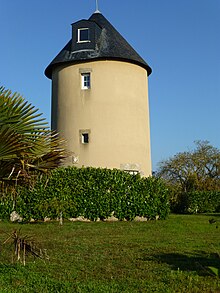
97	7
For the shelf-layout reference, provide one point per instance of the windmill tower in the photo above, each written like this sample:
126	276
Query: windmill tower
100	98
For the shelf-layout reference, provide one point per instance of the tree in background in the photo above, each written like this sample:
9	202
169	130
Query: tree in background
193	178
26	143
198	169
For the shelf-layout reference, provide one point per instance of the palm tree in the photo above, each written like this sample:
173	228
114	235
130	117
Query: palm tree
26	143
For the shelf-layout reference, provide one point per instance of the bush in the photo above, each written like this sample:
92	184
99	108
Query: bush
93	193
6	205
196	202
203	202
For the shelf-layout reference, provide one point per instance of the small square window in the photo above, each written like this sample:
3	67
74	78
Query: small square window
85	138
83	35
86	80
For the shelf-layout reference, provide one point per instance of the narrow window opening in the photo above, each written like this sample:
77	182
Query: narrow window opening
83	35
85	138
86	80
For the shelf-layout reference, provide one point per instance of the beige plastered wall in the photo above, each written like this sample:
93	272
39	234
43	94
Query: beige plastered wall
114	110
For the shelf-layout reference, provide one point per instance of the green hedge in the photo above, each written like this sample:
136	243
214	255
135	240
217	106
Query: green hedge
93	193
196	202
203	202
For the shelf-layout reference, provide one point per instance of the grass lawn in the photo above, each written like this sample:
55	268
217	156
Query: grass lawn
156	256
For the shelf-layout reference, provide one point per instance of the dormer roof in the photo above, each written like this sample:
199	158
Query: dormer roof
104	43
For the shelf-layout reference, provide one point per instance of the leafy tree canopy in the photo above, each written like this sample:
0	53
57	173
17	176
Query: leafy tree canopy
198	169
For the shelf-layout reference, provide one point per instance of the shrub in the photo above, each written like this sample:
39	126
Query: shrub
93	193
196	202
203	201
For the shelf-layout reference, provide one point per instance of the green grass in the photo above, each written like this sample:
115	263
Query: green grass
155	256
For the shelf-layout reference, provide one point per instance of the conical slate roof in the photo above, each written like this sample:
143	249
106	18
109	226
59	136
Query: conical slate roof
109	45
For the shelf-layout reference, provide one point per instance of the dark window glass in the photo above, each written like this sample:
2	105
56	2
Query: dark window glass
83	35
86	81
85	138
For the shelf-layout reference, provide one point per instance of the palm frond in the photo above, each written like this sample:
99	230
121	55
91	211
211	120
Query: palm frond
26	143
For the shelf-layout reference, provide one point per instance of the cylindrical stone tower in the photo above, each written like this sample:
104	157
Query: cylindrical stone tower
100	99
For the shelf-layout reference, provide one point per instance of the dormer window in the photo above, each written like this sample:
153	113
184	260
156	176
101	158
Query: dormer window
83	35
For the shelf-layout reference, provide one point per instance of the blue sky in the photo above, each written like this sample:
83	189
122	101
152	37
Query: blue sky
179	39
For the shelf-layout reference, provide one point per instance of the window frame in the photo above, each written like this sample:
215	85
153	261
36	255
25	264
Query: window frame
79	39
85	80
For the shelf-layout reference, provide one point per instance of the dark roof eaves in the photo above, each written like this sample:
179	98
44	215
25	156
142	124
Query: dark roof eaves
49	69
